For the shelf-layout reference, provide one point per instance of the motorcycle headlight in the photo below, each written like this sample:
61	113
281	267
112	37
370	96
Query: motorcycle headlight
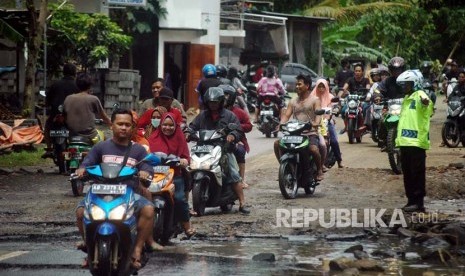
352	104
157	186
395	109
118	212
194	165
97	213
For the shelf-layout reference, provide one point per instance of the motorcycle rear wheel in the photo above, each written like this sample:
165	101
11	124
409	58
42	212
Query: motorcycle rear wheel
330	158
198	201
288	180
393	152
450	139
158	224
374	132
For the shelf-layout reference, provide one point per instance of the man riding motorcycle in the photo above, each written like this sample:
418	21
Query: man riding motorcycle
389	89
270	85
213	117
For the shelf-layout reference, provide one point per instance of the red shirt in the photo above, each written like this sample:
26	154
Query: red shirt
246	125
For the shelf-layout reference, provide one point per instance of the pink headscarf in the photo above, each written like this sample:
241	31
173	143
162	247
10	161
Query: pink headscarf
325	97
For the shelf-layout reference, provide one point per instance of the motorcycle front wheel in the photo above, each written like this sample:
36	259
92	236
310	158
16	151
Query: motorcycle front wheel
198	197
393	152
374	132
351	130
77	187
104	258
288	180
450	135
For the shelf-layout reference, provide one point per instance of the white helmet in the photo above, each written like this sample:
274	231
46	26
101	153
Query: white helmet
413	76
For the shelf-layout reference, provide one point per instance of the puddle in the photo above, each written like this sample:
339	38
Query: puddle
294	255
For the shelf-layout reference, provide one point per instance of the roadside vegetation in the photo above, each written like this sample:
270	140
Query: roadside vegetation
23	157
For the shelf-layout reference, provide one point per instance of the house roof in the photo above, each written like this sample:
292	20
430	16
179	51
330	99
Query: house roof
294	17
14	24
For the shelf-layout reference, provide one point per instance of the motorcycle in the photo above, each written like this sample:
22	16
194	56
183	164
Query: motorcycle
297	167
162	189
453	129
59	134
268	108
77	149
391	121
250	96
330	111
376	115
110	225
209	158
354	120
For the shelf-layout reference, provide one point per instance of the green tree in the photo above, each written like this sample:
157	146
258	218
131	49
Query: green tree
91	38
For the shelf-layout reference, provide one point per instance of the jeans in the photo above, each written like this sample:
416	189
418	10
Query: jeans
333	141
181	207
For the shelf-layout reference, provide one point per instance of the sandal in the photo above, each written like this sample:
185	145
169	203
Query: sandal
154	247
135	263
85	263
193	213
190	233
82	246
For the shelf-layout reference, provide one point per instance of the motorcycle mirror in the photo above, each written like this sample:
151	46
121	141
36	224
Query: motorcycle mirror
152	159
61	108
232	126
319	111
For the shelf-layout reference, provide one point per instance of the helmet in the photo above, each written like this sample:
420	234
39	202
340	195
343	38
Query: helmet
214	94
209	70
413	76
229	93
396	63
426	67
374	72
383	70
221	70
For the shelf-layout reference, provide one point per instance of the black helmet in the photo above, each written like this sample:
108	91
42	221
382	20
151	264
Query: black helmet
396	63
221	71
214	94
229	93
425	67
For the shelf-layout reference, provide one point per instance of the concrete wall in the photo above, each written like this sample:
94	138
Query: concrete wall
184	23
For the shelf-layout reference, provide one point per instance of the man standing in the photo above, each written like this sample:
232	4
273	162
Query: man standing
303	109
113	151
157	86
81	110
413	138
55	97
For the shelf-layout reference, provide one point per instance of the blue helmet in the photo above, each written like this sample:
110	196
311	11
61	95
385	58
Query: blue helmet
209	70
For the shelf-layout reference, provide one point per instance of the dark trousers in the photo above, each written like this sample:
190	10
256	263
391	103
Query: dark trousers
413	161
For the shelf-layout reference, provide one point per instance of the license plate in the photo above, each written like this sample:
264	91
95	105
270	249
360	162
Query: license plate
75	156
59	133
292	139
161	169
266	112
204	148
109	189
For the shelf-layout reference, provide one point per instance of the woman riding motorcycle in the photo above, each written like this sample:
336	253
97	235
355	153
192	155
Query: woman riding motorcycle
270	85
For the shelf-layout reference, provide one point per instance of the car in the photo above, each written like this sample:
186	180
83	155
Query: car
290	71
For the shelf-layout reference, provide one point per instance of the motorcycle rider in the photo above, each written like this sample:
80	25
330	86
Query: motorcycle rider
429	78
389	89
242	147
216	116
55	97
81	110
352	84
303	109
343	74
413	138
270	85
157	86
459	89
222	73
375	76
450	74
114	150
233	76
209	80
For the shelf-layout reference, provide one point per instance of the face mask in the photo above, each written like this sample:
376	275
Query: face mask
155	122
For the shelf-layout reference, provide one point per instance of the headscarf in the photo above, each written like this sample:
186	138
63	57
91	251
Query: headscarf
174	144
148	117
325	97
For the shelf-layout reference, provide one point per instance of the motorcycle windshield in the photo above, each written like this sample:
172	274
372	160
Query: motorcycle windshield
205	135
111	171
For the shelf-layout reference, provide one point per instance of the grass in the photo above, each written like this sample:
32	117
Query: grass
29	157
